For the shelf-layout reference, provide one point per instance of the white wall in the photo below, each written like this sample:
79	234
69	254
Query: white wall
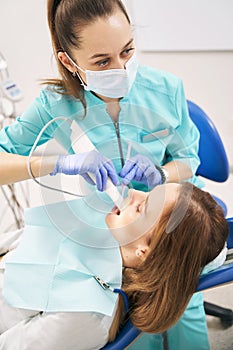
25	43
167	25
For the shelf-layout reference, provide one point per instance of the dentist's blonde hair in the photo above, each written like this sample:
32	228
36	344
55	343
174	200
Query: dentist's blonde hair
161	287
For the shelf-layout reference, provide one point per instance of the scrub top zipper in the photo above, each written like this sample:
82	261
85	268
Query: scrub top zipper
116	125
114	115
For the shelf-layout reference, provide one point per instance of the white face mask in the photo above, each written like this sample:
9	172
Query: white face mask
112	83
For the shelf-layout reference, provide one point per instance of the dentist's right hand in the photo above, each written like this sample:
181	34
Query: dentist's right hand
87	162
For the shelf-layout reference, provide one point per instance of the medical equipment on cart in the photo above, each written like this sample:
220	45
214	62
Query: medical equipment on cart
9	88
10	93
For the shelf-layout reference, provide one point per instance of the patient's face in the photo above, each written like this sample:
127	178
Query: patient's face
141	213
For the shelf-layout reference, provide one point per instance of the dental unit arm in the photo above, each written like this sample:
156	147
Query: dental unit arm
80	144
9	88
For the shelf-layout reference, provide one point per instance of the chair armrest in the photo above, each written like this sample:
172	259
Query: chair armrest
126	336
222	275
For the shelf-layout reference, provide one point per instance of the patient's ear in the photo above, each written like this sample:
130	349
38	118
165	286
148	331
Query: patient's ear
66	62
141	252
133	256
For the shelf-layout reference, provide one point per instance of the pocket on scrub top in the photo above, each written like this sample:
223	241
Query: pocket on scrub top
156	135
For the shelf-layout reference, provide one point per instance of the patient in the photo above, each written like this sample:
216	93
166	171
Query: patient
164	239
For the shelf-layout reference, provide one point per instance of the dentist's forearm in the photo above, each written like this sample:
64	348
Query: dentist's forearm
178	171
13	167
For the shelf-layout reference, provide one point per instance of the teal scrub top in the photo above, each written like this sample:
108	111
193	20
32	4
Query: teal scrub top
153	116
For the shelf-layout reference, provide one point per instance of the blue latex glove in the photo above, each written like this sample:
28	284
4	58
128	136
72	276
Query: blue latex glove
88	162
141	169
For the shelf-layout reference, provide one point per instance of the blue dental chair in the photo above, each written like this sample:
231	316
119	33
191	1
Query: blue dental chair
214	166
214	163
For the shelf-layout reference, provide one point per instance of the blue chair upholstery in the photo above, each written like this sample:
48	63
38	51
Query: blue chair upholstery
124	339
214	163
219	276
223	274
214	166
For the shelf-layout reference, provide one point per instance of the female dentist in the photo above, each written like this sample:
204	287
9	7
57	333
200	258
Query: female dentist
114	100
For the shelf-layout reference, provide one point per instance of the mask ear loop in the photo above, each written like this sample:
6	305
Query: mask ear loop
79	76
76	73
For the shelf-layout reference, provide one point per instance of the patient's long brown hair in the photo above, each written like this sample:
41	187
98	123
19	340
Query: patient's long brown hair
161	287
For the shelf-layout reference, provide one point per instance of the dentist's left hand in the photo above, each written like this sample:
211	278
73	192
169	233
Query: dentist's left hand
88	162
140	169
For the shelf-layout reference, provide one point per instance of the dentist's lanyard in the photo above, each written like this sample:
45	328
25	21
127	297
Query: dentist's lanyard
103	284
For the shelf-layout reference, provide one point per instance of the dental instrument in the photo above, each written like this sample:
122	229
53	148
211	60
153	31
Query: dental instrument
127	158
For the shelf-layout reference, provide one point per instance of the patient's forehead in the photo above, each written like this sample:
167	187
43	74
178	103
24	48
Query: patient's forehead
163	196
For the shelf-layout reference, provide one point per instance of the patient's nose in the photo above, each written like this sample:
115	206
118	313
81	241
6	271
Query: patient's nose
128	200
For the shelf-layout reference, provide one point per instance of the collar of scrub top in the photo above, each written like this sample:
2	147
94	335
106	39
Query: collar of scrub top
106	286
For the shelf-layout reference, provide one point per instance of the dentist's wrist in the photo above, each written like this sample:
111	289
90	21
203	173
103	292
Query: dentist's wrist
164	174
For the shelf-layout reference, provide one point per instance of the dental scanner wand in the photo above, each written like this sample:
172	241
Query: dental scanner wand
127	158
82	143
112	191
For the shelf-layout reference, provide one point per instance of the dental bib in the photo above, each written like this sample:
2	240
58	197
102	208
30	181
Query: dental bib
63	247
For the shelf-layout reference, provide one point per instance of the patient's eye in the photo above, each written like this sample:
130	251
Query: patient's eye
140	207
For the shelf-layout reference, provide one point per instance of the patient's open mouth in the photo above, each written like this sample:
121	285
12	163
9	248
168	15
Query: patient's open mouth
116	210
